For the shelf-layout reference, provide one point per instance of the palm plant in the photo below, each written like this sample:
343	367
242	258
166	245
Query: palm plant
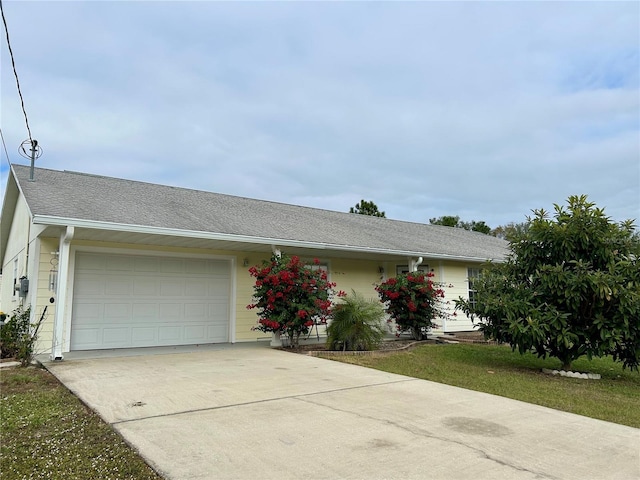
357	324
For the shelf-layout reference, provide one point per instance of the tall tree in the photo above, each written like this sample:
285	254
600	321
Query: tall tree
367	208
454	221
569	287
476	226
510	231
446	221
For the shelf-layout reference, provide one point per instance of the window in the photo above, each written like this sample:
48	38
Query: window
15	275
322	266
472	274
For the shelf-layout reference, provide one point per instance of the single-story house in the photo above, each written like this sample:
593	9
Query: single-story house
119	263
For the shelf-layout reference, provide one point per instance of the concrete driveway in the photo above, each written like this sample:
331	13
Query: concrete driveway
257	413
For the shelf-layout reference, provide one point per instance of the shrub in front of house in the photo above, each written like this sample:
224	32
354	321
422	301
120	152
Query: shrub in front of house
18	336
413	301
290	296
357	324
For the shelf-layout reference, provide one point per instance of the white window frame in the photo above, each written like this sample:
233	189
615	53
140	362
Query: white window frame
323	266
472	273
15	275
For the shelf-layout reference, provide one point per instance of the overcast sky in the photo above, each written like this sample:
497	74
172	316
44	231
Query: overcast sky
485	110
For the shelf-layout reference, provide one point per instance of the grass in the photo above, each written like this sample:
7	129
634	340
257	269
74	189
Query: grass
498	370
47	433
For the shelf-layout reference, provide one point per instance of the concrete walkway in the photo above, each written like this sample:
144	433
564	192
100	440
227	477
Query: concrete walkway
257	413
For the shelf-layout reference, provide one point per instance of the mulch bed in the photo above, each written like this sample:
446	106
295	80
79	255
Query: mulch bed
385	347
388	346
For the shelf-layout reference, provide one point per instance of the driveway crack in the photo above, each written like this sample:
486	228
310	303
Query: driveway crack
420	432
255	402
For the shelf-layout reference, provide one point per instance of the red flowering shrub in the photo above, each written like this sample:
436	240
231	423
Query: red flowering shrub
413	301
290	296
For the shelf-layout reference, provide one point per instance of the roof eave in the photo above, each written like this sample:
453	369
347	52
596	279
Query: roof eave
9	203
150	230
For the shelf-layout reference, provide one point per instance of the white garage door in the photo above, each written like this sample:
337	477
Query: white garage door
139	301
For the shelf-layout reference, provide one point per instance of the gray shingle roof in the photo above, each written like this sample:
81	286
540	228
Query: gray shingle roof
112	200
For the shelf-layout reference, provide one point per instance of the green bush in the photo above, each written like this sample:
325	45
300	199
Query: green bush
414	301
569	287
357	324
18	336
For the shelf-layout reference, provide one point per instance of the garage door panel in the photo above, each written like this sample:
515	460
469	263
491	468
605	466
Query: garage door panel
170	333
145	264
196	288
89	309
149	301
195	333
217	267
218	331
145	310
218	287
195	311
171	265
170	311
119	263
144	336
171	288
144	286
90	286
91	262
118	286
195	267
89	336
218	308
113	336
117	310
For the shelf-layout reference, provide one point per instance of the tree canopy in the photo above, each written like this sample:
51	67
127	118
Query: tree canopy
569	287
510	231
367	208
454	221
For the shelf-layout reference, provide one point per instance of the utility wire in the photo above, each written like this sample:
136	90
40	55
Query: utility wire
15	73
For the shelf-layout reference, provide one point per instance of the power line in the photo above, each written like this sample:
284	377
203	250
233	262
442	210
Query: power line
15	73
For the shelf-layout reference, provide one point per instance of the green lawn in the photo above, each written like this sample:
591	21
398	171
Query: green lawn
47	433
498	370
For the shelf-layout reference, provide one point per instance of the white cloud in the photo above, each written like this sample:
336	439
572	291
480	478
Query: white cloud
484	110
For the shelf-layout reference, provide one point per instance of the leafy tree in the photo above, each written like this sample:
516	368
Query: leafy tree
446	221
413	301
511	231
454	221
367	208
356	324
476	226
569	287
